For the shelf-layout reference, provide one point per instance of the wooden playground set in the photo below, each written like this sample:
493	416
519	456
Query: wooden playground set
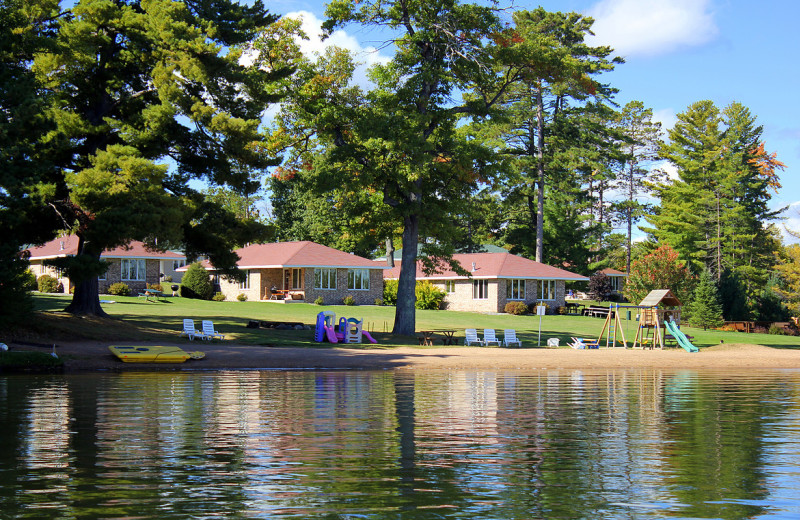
659	317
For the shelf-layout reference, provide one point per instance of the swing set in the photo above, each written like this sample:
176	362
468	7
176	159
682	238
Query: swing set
653	311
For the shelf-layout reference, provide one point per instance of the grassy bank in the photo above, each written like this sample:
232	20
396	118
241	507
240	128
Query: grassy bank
138	320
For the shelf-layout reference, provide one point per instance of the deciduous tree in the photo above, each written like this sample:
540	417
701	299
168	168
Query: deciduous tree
661	269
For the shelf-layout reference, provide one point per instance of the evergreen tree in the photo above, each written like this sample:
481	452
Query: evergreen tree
133	84
705	310
733	297
27	176
641	145
716	213
196	283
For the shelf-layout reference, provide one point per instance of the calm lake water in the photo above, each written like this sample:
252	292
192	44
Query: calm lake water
613	444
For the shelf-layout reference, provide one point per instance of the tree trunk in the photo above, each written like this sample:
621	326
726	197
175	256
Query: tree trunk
405	315
389	252
86	299
539	175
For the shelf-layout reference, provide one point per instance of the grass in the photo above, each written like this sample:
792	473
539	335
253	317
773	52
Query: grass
138	320
20	361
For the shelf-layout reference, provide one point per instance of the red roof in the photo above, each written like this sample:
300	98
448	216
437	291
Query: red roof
68	246
495	265
296	254
612	272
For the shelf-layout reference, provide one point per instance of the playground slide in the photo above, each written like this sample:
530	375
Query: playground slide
368	336
680	337
331	334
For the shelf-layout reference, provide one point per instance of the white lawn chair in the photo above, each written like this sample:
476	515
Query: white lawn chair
209	332
471	336
489	337
510	338
190	331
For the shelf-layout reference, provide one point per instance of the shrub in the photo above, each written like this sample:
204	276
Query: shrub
600	287
348	300
196	283
776	330
242	297
429	297
48	284
167	279
379	301
319	301
119	289
390	292
29	282
532	307
219	297
516	308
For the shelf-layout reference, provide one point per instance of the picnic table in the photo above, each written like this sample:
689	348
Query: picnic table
597	312
152	293
573	308
278	294
428	337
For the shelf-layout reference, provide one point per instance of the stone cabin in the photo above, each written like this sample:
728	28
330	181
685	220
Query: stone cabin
134	265
287	272
496	279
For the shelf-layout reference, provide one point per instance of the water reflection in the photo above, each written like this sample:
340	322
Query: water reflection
402	444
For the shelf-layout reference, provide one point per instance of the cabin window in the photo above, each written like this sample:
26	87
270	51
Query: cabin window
358	279
133	269
324	278
515	289
480	289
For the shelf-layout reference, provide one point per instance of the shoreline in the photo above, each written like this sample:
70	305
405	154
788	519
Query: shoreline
95	356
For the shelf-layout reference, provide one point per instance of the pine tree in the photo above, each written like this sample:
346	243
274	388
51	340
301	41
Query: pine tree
705	309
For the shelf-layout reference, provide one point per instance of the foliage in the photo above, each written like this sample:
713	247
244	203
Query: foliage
26	183
428	296
599	287
242	297
29	282
789	271
390	292
133	87
705	309
661	269
733	296
348	300
769	303
319	301
716	212
776	330
119	289
516	308
196	283
218	297
378	301
48	284
641	142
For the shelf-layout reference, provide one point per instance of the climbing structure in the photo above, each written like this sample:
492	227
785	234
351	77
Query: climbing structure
654	311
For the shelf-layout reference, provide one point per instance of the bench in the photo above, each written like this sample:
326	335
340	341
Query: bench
597	312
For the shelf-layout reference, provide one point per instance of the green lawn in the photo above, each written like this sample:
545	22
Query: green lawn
148	321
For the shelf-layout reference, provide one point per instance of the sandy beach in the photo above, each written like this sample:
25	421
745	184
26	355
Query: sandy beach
94	356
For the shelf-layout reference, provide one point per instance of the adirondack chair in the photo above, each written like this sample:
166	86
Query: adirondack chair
189	330
471	336
209	332
489	337
510	338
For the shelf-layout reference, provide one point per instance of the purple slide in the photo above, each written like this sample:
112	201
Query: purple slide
367	335
331	334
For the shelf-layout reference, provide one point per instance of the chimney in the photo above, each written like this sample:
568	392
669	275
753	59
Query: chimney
62	246
473	267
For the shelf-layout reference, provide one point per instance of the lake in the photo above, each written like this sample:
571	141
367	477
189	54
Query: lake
611	444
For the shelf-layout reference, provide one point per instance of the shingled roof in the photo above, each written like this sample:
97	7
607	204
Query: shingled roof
68	246
297	255
495	265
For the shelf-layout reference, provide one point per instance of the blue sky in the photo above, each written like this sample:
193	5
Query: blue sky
678	52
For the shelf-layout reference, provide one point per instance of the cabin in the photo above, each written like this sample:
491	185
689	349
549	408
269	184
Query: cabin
496	279
291	272
135	265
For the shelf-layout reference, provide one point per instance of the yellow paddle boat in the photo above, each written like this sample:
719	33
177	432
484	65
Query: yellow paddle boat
158	354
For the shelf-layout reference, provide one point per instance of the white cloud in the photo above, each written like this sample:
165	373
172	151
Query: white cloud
665	116
311	25
652	27
792	222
